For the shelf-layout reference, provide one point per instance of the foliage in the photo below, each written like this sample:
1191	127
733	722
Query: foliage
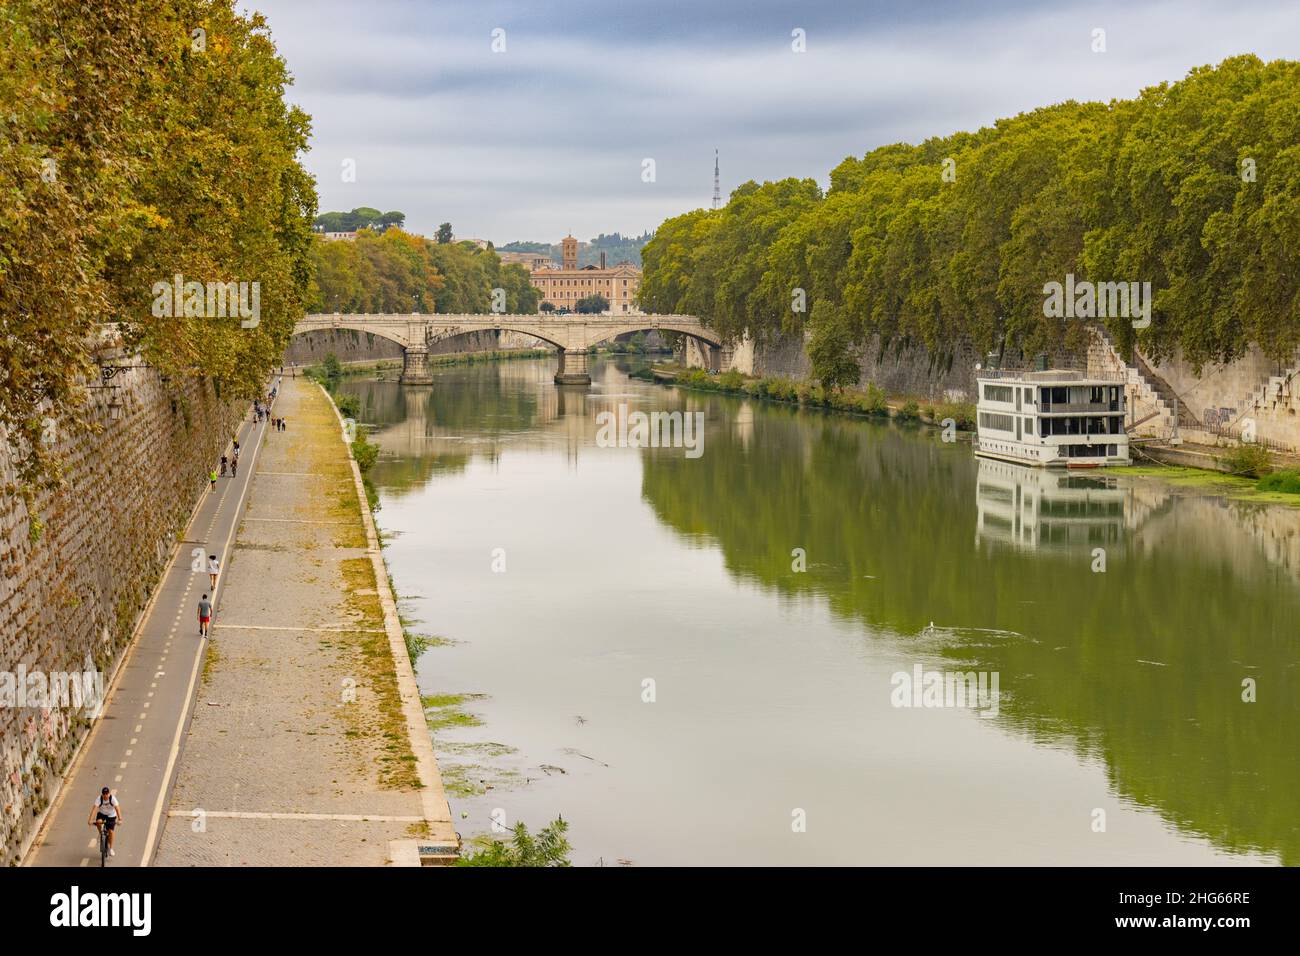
397	271
365	452
1286	481
1248	459
592	304
1193	186
130	157
549	847
363	217
444	234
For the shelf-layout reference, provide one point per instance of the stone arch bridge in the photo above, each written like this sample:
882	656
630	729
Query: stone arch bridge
572	335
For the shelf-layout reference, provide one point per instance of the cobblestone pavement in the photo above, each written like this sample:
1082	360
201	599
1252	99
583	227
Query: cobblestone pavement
297	712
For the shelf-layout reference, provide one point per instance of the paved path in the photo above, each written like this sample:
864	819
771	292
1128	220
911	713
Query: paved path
133	746
308	744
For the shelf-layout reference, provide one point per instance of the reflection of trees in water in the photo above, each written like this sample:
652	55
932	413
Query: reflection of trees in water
1140	666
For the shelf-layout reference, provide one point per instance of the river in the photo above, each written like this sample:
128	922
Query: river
708	659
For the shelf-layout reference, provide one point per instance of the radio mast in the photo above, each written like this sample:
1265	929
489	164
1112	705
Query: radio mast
717	186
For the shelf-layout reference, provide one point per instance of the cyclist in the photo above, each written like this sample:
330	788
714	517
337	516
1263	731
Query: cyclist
108	813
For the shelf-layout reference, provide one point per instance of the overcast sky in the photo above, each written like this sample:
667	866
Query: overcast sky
550	135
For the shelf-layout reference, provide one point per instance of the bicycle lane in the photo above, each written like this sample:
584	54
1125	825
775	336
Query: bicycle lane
134	743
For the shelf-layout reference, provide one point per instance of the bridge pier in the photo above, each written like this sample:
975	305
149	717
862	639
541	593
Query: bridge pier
415	366
573	369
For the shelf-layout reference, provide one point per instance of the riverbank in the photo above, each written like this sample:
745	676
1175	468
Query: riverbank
871	402
308	744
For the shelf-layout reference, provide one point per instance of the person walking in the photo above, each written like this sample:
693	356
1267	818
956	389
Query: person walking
214	568
205	615
212	477
283	426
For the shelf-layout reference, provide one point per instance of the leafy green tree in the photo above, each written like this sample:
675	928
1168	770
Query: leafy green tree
443	235
591	304
131	157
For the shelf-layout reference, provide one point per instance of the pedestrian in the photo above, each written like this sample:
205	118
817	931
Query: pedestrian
234	465
214	568
283	426
212	477
224	463
205	615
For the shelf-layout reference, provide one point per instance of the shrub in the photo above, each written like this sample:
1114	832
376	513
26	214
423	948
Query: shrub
349	405
1286	481
731	380
962	413
873	402
910	412
1250	460
548	848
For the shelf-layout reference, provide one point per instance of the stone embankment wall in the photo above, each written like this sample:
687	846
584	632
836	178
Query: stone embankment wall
911	371
77	569
1252	389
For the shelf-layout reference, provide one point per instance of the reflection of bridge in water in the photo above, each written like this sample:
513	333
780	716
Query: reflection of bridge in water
571	335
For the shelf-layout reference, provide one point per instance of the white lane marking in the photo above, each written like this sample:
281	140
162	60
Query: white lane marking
278	627
253	815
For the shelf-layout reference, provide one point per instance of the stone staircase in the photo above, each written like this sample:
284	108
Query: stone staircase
1277	390
1153	399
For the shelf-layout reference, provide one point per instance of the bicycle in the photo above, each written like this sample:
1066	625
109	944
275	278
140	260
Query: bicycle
103	842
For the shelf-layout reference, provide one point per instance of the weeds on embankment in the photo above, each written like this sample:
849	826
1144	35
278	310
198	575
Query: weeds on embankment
870	401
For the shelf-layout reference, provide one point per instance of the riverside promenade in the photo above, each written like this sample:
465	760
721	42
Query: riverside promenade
308	744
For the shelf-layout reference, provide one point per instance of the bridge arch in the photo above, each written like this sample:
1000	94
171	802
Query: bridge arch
571	335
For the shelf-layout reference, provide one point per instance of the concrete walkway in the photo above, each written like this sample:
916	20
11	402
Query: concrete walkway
133	745
308	744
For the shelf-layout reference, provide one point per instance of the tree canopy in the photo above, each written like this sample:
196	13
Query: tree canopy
397	271
1193	186
142	141
363	217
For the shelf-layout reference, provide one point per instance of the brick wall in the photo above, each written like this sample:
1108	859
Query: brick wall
70	595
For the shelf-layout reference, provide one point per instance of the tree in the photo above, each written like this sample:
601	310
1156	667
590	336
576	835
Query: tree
1193	187
831	349
548	307
592	304
443	235
130	158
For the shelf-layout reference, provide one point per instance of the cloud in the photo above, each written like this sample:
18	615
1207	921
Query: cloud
550	135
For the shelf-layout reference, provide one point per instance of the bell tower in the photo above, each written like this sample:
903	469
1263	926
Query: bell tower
569	245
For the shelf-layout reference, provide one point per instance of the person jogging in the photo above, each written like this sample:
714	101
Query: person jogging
214	568
106	812
212	477
205	615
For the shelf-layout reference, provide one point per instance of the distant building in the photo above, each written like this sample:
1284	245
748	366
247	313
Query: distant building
566	286
529	260
340	236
